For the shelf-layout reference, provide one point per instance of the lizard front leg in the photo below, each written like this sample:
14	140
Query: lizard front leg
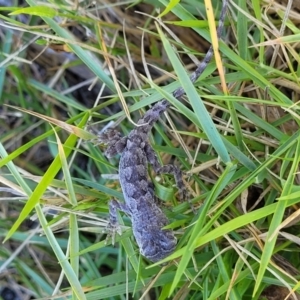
113	225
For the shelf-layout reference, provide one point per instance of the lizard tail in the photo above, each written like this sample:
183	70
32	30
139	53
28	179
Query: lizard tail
153	114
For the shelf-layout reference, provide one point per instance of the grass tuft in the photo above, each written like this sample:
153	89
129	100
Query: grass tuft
68	66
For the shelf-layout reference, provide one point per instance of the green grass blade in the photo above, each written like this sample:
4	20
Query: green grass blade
277	217
43	184
232	56
199	108
63	260
87	58
14	171
197	228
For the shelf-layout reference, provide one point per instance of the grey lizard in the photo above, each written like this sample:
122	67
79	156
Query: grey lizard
140	204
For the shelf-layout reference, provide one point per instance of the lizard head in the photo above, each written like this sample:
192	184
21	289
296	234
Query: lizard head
155	243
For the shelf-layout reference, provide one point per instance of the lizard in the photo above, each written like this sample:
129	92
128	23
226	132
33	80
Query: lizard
135	151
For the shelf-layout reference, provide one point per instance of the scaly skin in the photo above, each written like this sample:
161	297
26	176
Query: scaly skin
140	204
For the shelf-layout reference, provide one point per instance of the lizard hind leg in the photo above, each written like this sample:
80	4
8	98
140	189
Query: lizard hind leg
167	169
176	172
114	140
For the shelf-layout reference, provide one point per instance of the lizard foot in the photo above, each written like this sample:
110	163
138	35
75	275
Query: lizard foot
113	226
111	230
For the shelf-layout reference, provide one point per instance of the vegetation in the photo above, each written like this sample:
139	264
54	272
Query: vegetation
68	68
